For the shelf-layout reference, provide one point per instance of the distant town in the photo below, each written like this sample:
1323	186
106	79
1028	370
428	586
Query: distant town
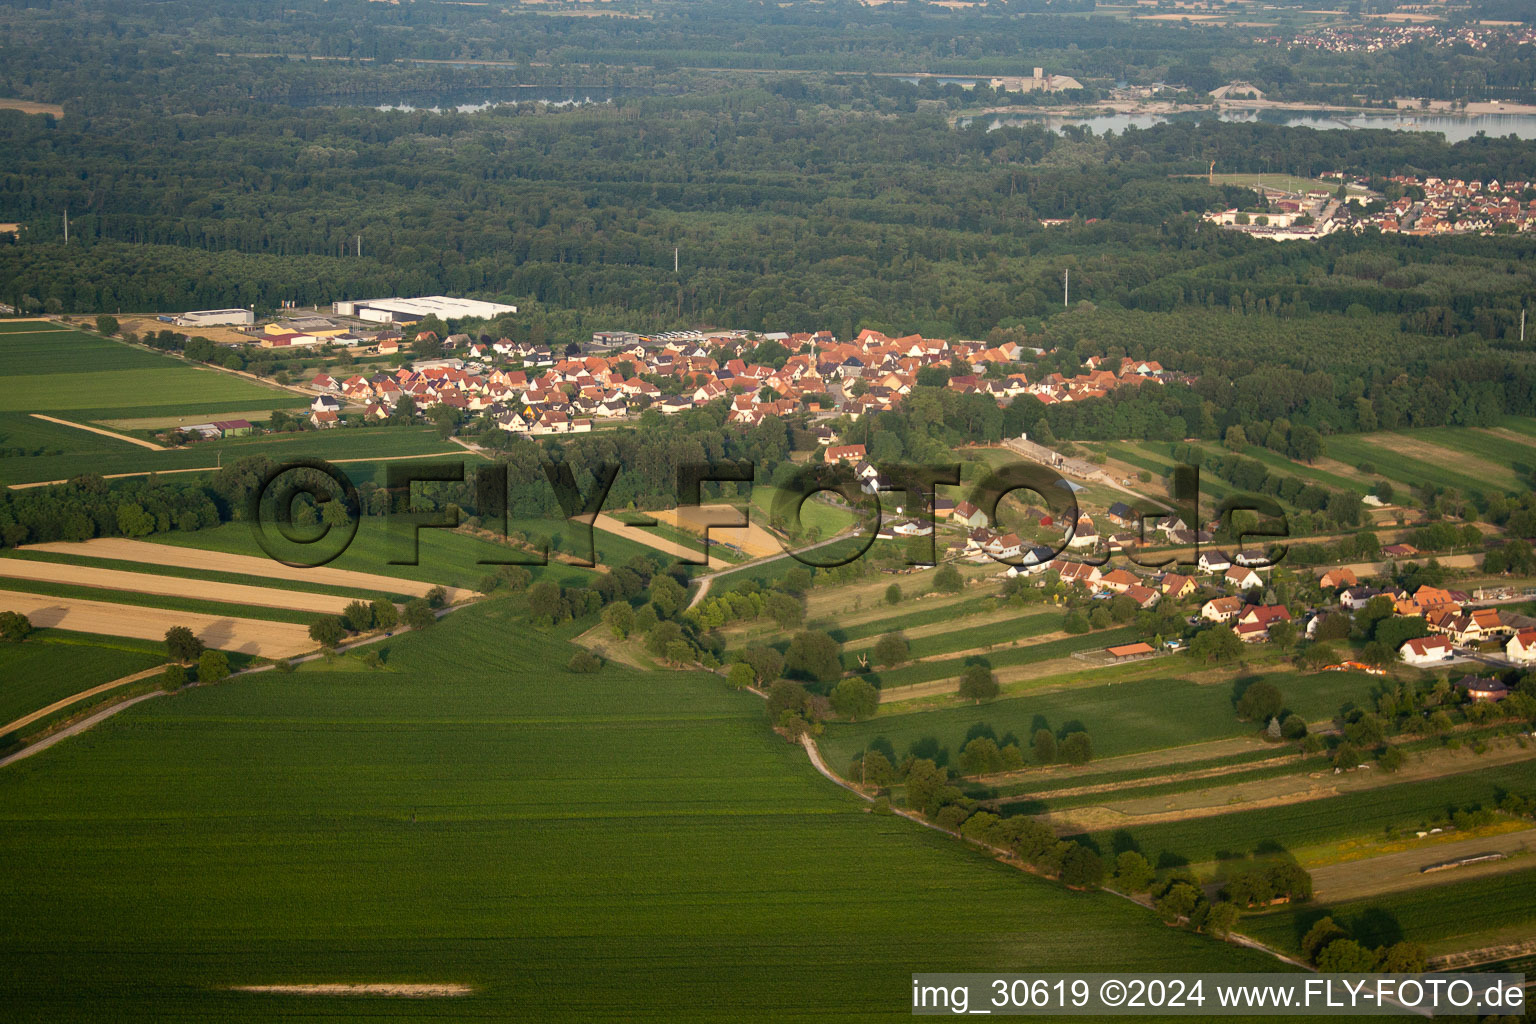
1411	206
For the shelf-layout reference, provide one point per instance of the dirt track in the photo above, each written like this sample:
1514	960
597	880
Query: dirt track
248	565
75	698
97	430
640	535
247	636
170	586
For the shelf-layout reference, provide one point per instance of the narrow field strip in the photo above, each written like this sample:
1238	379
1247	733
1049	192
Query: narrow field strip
145	583
98	430
227	633
197	575
386	989
246	565
75	698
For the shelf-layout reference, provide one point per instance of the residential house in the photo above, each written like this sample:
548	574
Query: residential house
1521	648
1242	578
969	515
1481	688
1427	650
1221	609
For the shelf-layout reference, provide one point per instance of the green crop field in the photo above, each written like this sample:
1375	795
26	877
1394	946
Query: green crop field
444	556
60	452
1462	458
1406	805
829	519
52	664
1443	916
614	846
53	370
1121	718
1004	657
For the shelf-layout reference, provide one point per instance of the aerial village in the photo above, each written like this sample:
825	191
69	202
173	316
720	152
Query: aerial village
624	373
1423	206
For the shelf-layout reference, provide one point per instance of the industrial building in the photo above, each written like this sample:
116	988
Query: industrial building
216	318
396	311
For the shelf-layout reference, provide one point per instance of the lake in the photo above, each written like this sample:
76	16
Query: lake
1455	127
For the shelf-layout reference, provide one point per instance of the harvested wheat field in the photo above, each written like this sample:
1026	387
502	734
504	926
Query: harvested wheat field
170	586
752	538
246	636
247	565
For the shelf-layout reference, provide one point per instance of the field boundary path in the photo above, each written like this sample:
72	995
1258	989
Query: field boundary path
59	705
107	712
102	431
707	579
79	727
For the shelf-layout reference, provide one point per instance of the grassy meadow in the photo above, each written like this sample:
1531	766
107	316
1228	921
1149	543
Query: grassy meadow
575	847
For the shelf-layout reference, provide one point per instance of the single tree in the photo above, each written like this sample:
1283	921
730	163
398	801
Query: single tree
740	675
328	630
174	678
893	594
182	644
107	325
583	662
855	699
1045	746
358	616
947	580
1260	702
891	649
385	616
418	613
1076	748
1081	868
14	627
978	683
212	667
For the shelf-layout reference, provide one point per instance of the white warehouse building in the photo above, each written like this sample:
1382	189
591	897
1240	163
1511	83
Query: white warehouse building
390	311
216	318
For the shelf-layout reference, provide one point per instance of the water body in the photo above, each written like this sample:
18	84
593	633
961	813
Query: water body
1455	127
470	101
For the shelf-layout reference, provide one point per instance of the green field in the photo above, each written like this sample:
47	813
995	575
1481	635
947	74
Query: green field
1121	718
51	369
56	452
1469	460
52	665
1365	812
445	556
623	845
829	519
1443	917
